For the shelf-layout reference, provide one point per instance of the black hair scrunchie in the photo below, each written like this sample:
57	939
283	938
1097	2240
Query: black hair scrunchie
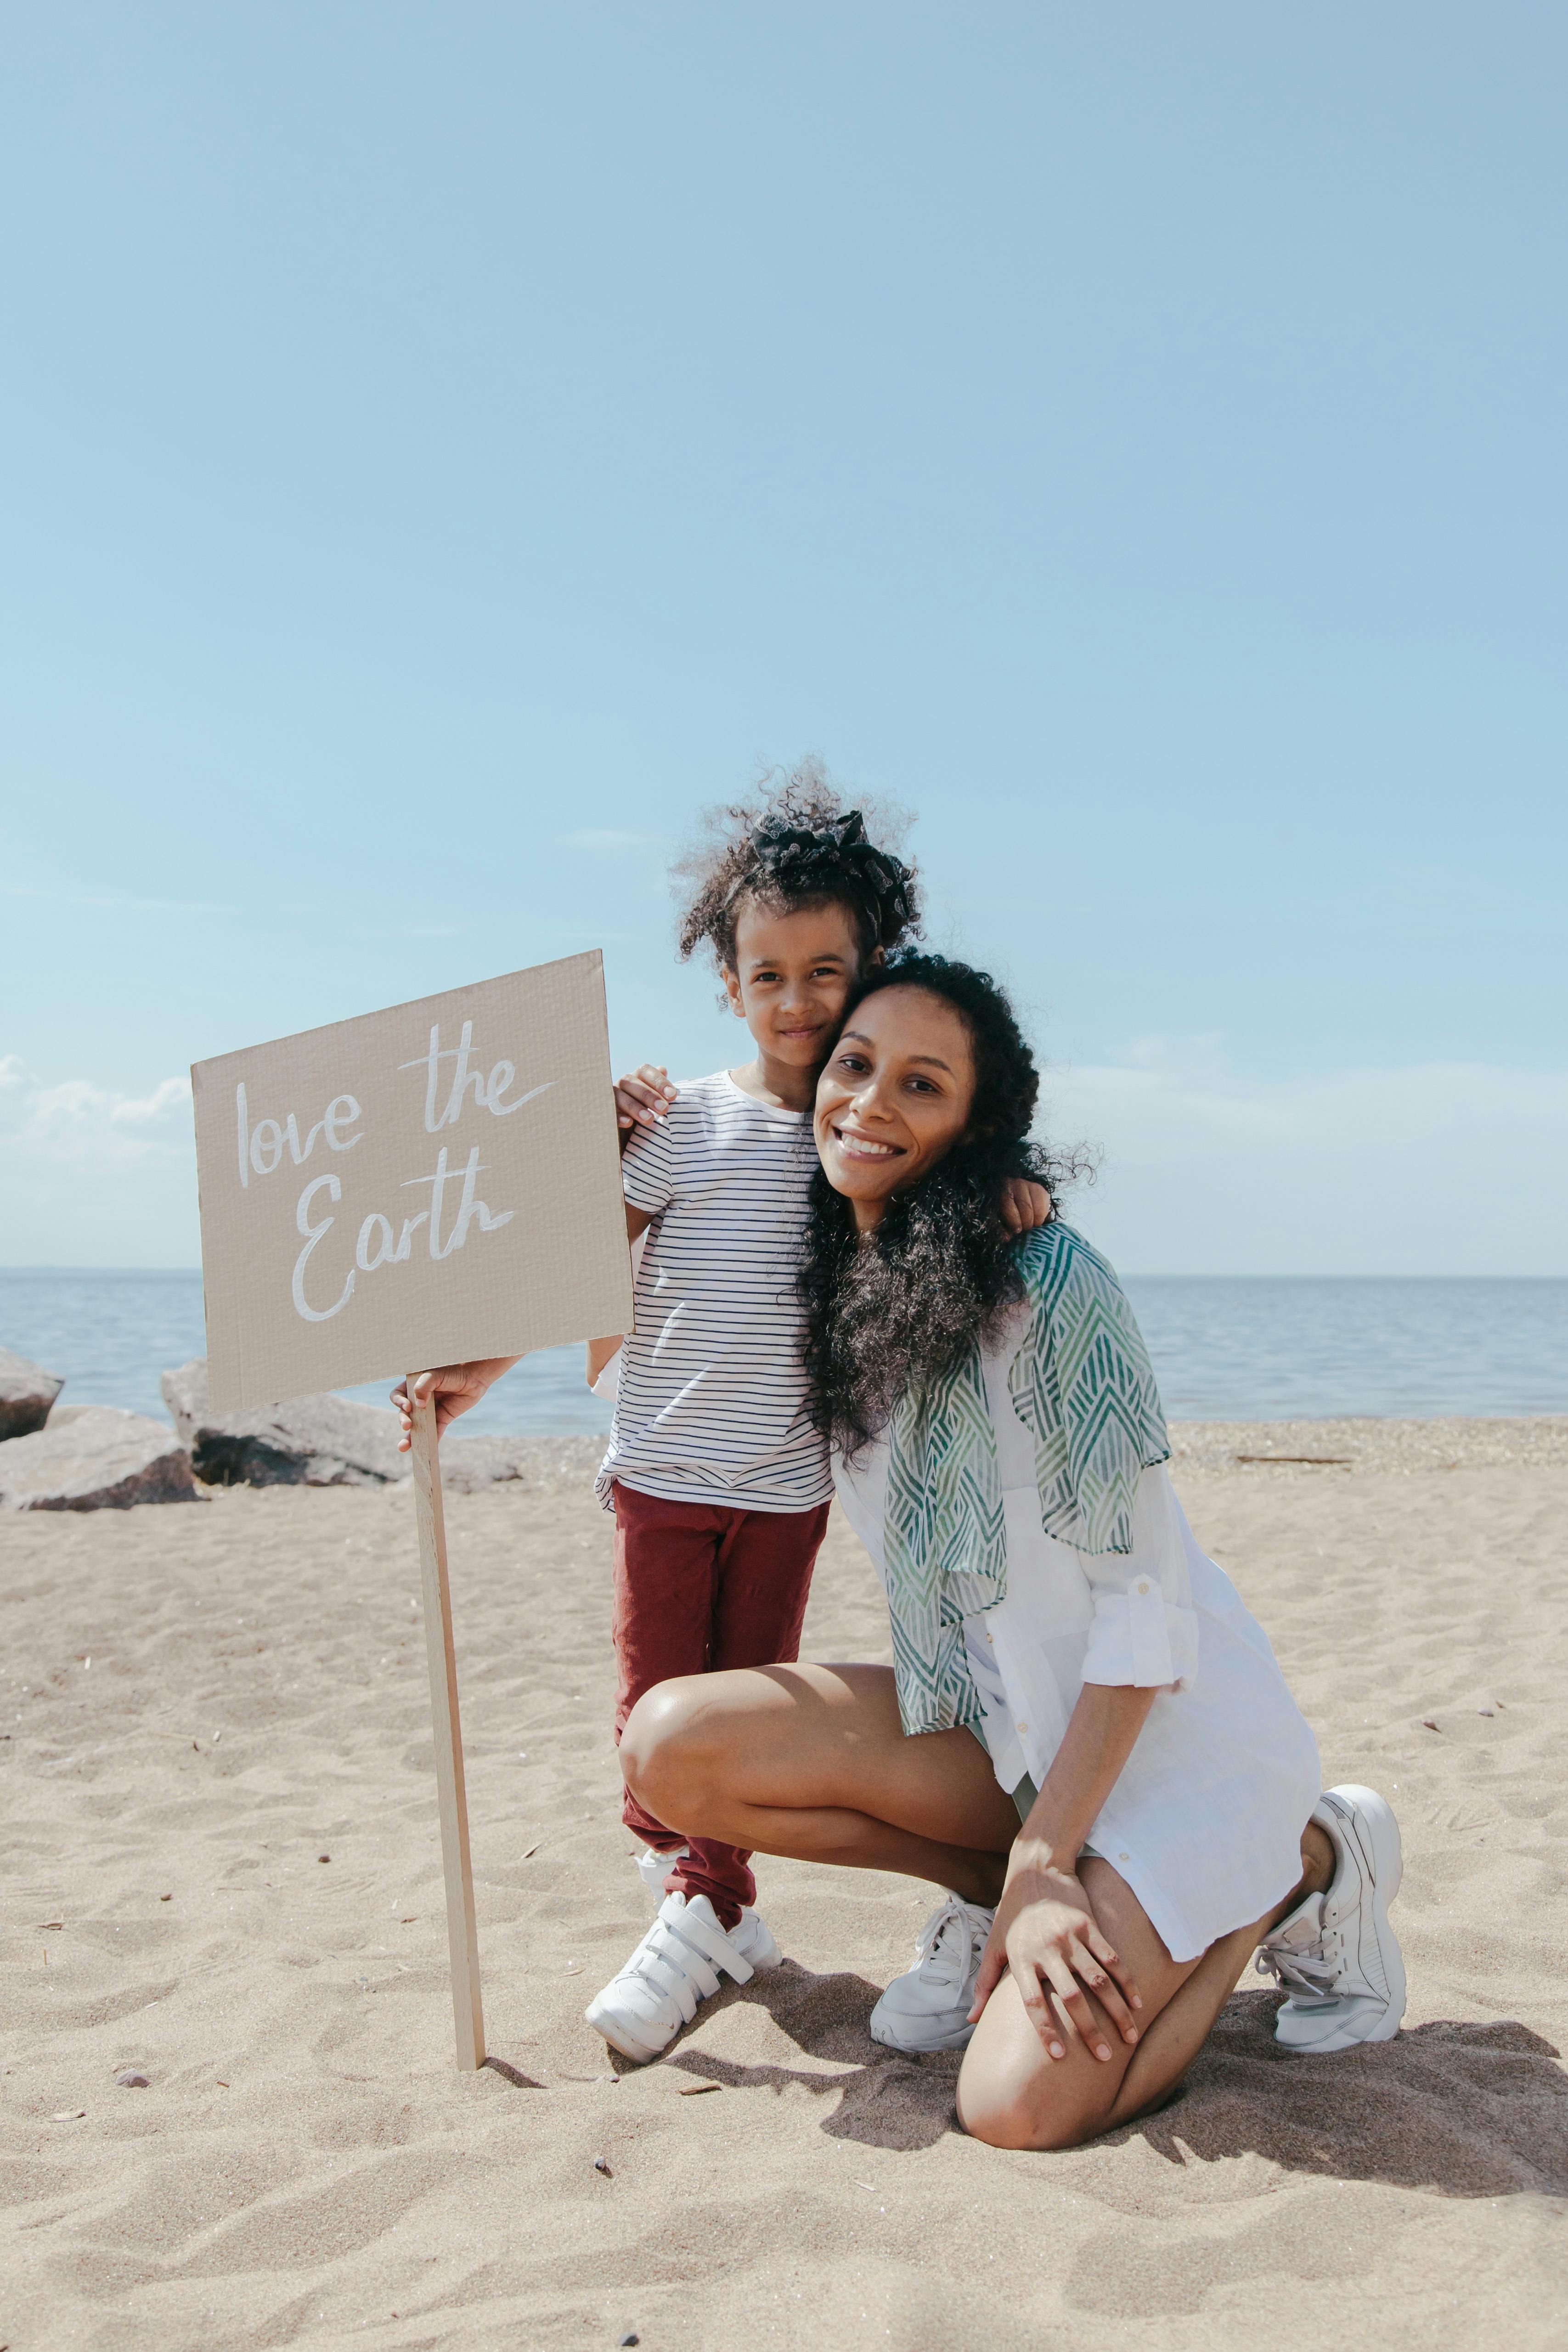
835	860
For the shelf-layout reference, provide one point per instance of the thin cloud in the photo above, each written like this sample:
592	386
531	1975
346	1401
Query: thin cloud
89	1126
1425	1169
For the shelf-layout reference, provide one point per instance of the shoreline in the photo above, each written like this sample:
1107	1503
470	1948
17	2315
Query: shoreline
1365	1442
1444	1441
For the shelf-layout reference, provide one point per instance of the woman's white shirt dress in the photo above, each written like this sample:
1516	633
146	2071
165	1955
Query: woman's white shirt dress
1205	1819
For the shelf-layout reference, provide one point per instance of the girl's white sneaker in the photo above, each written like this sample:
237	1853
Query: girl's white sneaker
675	1967
654	1867
1336	1955
929	2008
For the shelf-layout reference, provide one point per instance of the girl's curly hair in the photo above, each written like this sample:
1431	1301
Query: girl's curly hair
888	1316
795	845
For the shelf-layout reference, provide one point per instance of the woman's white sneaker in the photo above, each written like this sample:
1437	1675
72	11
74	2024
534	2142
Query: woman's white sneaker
1336	1955
675	1967
927	2008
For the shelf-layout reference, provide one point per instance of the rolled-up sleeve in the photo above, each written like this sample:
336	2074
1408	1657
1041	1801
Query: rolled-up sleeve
1145	1630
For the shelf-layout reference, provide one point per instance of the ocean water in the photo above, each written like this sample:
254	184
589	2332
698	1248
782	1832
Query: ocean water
112	1334
1260	1348
1236	1347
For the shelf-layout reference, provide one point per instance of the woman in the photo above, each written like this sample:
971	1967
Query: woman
1085	1737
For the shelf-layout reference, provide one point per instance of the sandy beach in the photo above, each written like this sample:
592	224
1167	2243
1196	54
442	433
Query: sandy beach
222	1871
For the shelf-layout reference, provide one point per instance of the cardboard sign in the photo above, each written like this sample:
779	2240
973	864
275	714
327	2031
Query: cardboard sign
424	1186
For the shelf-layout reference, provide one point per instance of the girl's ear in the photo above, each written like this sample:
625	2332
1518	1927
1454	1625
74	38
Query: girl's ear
731	979
876	959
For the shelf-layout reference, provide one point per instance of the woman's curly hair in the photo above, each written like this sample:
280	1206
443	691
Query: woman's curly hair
795	845
893	1315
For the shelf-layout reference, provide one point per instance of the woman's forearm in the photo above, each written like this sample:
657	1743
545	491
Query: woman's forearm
1086	1768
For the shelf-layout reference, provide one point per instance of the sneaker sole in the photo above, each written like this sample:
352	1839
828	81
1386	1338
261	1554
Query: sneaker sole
1385	2028
958	2038
604	2023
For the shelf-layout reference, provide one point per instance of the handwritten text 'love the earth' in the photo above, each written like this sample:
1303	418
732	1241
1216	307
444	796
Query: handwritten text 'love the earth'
262	1148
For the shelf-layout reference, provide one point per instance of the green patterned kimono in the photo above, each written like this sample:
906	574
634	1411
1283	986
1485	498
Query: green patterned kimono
1082	1384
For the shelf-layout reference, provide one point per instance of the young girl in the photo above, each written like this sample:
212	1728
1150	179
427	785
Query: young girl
718	1481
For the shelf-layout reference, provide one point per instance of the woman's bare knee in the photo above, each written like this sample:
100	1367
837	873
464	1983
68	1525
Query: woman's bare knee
1011	2095
659	1751
1017	2120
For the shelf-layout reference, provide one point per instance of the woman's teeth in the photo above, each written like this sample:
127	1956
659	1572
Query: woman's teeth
860	1147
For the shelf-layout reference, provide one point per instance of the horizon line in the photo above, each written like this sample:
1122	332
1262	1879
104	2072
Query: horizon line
1127	1274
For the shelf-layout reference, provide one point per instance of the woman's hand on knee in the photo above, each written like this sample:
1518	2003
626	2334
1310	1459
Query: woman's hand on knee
1045	1933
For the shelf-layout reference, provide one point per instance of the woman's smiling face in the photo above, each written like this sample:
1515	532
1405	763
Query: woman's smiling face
894	1097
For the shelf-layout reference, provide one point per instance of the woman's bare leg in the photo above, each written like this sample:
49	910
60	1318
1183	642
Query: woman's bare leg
811	1761
1012	2095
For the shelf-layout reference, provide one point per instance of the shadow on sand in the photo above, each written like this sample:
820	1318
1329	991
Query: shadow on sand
1463	2109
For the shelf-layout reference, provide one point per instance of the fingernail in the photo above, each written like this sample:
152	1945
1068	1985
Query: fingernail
1133	2033
1136	2003
1102	2051
1056	2050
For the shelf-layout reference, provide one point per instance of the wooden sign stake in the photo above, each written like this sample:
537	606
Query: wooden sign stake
451	1798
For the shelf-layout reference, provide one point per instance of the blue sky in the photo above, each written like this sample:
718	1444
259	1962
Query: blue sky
450	448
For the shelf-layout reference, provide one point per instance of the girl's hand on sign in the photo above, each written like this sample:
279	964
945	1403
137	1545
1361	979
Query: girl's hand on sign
455	1387
1025	1204
642	1099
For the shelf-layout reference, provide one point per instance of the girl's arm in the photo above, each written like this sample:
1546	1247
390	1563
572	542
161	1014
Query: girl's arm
601	1351
1045	1931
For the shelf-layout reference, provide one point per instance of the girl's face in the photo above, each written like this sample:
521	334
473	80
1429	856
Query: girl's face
894	1098
792	977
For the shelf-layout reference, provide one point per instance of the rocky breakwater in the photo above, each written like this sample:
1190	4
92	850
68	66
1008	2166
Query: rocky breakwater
26	1393
313	1441
330	1441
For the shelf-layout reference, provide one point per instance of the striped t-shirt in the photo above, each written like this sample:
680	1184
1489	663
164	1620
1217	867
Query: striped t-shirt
711	1402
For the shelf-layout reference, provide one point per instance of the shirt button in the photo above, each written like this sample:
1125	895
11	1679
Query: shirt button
1124	1857
1023	1726
1142	1585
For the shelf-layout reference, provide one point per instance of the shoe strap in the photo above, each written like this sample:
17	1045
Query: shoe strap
706	1938
677	1969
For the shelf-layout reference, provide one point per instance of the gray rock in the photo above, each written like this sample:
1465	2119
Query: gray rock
27	1393
98	1459
186	1395
314	1441
329	1440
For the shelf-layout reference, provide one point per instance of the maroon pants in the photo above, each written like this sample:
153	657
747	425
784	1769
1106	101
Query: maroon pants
700	1587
